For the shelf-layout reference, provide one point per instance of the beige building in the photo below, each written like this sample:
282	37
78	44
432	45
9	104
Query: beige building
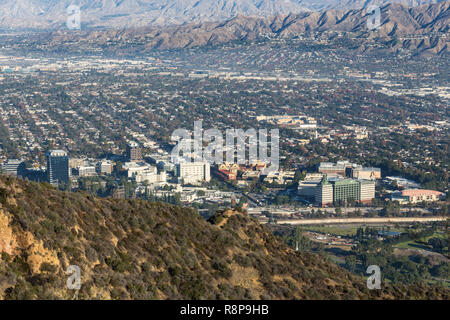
324	193
366	173
416	195
367	191
77	162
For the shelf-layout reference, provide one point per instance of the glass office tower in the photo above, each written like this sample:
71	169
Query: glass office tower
57	167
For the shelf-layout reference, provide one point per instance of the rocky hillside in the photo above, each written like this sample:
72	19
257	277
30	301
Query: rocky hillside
322	5
419	30
42	14
135	13
131	249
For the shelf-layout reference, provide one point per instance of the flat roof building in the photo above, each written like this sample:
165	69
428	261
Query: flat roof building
324	192
134	152
341	191
360	172
307	187
338	168
193	172
104	167
57	167
14	167
86	171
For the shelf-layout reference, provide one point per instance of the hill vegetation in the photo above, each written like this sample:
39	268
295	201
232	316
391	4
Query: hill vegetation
134	249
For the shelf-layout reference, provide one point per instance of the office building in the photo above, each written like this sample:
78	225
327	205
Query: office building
350	170
360	172
134	152
87	171
104	167
74	163
307	187
142	172
338	168
14	167
324	192
345	190
193	172
57	167
341	191
367	191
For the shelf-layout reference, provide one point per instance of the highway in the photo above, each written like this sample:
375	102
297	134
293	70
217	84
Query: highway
361	220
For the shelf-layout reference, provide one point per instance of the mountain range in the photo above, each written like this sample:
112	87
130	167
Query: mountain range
44	14
418	30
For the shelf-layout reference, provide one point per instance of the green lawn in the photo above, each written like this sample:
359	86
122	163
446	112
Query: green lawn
405	245
335	230
412	244
344	230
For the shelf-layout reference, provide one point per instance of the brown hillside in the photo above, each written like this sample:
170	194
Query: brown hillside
140	250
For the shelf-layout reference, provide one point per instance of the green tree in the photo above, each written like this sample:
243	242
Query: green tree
350	262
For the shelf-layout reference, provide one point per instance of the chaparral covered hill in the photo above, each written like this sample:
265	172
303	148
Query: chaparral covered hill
133	249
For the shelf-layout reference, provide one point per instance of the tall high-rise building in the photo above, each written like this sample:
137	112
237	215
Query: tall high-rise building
57	167
14	167
134	152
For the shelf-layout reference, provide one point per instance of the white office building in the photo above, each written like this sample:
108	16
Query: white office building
87	171
14	167
142	172
367	190
104	167
193	172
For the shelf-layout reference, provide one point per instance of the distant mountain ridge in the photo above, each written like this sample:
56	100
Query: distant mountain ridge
44	14
420	30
